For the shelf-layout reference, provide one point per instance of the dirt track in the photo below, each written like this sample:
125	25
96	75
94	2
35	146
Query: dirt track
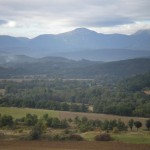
84	145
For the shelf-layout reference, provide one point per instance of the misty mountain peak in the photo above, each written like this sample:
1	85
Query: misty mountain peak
83	30
143	32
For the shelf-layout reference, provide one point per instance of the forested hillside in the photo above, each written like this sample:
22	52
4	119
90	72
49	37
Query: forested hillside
58	67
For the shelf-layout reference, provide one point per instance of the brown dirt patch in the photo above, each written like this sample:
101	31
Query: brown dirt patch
84	145
147	92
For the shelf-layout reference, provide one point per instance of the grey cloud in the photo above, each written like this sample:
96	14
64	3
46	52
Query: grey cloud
88	13
103	23
115	22
2	22
134	8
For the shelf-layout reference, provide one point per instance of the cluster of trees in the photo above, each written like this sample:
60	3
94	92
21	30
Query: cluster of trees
138	124
52	105
56	95
6	121
123	103
83	124
124	98
32	120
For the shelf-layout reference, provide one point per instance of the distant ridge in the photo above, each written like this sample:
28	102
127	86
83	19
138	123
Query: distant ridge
78	41
58	67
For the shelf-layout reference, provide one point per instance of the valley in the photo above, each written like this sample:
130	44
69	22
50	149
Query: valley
74	75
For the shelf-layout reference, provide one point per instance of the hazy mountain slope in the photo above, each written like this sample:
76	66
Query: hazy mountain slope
123	68
104	54
65	68
15	59
80	40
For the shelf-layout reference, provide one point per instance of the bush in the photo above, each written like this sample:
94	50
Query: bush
35	134
103	137
66	131
75	137
85	128
56	123
31	120
37	131
6	120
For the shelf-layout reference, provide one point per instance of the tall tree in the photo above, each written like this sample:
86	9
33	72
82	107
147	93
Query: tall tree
131	123
148	124
137	124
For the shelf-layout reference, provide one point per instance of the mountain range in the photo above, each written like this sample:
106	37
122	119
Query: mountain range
80	43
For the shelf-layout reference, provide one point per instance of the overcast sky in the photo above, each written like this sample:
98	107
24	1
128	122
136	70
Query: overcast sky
33	17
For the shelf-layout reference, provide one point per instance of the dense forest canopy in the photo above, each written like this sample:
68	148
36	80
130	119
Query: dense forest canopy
126	97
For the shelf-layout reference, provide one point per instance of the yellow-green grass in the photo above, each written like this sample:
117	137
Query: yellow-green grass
135	138
128	137
89	136
21	112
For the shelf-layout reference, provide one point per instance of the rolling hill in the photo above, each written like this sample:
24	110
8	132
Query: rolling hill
54	67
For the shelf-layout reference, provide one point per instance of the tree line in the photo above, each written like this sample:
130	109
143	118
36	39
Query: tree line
82	123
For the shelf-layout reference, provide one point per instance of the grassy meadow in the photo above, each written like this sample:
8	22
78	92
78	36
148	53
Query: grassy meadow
134	138
126	137
21	112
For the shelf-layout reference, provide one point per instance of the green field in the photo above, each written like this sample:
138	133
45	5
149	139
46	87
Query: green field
128	137
136	138
21	112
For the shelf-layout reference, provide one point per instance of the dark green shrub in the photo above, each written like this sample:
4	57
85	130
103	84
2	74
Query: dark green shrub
6	120
85	127
35	134
75	137
37	131
30	119
66	131
103	137
148	124
137	124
